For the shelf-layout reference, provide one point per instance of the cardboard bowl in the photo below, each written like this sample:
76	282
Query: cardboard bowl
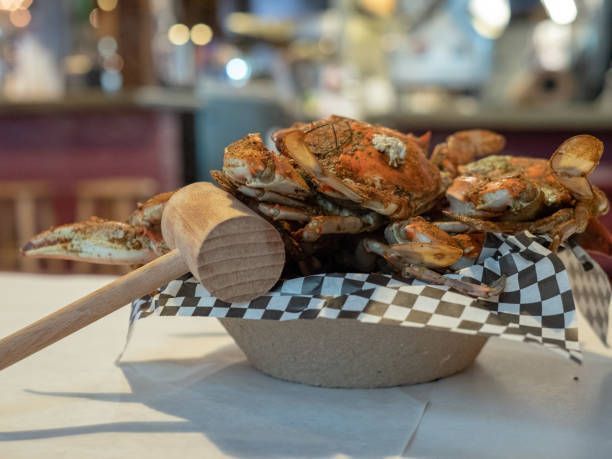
351	354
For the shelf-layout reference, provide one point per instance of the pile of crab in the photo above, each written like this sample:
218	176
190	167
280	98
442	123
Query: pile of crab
350	196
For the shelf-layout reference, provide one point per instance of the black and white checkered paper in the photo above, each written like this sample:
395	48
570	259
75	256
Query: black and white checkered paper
537	304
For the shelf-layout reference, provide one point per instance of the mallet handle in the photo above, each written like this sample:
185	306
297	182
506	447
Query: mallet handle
90	308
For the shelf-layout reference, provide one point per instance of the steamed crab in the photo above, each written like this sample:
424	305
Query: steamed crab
96	240
341	176
333	176
344	176
510	194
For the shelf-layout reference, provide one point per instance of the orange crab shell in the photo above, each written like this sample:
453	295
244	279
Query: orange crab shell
344	149
254	164
521	177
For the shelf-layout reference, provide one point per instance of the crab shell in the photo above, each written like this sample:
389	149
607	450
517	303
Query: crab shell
513	194
254	170
508	187
373	167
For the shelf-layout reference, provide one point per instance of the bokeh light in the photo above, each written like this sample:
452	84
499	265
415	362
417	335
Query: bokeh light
561	12
107	5
11	5
490	17
201	34
111	80
20	18
94	18
237	69
178	34
107	46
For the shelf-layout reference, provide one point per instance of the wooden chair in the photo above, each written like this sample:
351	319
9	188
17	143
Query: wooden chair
27	208
110	198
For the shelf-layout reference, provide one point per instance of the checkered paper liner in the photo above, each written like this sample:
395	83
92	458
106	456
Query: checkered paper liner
537	304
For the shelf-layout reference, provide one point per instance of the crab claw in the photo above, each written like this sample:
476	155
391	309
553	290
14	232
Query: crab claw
574	161
418	241
408	269
477	142
96	241
434	255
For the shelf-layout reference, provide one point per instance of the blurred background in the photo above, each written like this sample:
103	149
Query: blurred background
106	102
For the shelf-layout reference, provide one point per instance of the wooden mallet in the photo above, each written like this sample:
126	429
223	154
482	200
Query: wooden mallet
233	252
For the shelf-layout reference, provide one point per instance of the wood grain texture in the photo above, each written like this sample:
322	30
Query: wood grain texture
90	308
233	252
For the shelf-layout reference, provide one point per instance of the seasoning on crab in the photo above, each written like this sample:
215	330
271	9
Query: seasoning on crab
392	147
509	194
390	175
97	241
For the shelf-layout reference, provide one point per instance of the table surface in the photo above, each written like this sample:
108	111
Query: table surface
183	387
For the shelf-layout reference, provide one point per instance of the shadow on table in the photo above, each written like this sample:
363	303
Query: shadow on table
247	414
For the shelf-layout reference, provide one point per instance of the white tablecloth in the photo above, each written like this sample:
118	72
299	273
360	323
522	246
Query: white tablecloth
183	389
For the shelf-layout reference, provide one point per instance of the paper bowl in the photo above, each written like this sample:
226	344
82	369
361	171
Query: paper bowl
347	353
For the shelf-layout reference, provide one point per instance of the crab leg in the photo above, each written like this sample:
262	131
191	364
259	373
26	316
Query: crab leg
408	269
471	244
435	255
149	213
583	214
320	225
543	225
336	224
467	242
560	226
97	241
269	196
280	212
467	288
452	226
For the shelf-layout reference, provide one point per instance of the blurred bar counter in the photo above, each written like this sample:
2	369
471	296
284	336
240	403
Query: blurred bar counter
92	101
94	136
568	118
565	118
